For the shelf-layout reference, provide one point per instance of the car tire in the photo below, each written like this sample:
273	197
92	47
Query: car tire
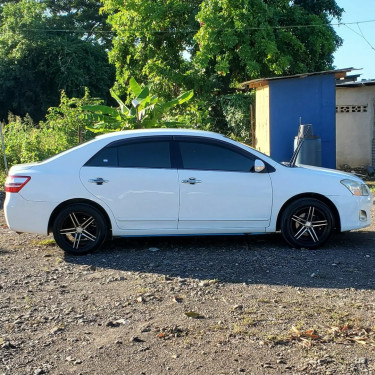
307	223
79	229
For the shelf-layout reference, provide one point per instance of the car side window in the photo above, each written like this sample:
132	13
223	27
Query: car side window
145	155
133	155
106	157
212	156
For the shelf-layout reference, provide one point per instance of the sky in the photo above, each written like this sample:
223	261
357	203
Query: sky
357	51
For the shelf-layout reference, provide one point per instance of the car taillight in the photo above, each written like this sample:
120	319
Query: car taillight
13	184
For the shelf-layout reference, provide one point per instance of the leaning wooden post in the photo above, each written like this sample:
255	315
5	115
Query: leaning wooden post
3	147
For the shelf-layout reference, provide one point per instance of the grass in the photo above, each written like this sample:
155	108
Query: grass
47	242
371	185
3	176
243	327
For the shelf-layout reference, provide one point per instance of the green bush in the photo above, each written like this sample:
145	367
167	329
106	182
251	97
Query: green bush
236	110
64	127
25	142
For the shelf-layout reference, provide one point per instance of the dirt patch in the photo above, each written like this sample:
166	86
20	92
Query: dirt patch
216	305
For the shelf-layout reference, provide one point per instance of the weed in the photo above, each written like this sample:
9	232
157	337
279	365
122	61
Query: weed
277	339
58	261
28	302
245	324
339	317
47	242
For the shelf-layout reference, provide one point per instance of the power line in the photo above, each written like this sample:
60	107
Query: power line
175	31
360	33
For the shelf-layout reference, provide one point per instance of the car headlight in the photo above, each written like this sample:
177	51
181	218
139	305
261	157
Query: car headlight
356	188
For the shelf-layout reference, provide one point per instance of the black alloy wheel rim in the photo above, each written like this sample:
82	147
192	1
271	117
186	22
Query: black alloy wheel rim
79	229
309	225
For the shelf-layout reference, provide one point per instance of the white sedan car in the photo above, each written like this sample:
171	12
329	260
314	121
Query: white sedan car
179	182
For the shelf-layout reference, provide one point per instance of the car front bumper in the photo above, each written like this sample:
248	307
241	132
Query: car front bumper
354	211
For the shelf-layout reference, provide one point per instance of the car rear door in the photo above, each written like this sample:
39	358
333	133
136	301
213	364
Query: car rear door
137	181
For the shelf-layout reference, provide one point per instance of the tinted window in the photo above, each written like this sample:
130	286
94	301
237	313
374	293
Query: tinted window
106	157
210	156
145	155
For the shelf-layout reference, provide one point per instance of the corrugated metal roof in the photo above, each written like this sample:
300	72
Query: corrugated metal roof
370	82
339	73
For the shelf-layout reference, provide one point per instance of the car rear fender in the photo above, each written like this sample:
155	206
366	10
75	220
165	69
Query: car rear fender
80	201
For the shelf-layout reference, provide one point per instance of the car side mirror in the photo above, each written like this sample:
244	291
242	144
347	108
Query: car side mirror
259	166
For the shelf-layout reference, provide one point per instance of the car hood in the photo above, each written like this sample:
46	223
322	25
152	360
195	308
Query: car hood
331	172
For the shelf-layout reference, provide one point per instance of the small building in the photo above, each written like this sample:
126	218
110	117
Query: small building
282	101
355	123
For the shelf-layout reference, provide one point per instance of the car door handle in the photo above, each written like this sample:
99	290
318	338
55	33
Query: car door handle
98	181
191	181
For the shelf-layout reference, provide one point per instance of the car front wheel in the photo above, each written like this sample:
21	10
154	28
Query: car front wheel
79	229
307	223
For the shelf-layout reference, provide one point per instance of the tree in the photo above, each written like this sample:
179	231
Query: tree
39	57
212	45
248	39
152	40
81	18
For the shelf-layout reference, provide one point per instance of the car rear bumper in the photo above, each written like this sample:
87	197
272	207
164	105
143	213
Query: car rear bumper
26	216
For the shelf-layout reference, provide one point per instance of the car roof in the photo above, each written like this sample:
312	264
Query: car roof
145	132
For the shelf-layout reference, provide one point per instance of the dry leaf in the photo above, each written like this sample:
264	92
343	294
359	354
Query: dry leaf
311	333
360	340
296	331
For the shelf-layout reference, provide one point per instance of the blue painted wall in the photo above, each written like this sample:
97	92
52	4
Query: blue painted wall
314	99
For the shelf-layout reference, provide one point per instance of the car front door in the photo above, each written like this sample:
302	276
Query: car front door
219	189
137	181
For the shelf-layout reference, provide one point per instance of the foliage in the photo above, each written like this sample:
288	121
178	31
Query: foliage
212	45
255	38
151	39
25	142
64	127
70	118
82	17
196	114
146	110
38	58
236	109
208	46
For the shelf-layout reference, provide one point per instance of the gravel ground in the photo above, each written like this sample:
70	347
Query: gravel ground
199	305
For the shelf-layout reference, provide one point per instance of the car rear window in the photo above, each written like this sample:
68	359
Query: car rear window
148	154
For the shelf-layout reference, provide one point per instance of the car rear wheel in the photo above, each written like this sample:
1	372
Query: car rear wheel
79	229
307	223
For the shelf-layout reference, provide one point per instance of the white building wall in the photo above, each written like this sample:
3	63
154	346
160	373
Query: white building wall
262	124
354	125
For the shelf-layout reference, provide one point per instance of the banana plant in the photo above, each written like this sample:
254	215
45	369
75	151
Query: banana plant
145	111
